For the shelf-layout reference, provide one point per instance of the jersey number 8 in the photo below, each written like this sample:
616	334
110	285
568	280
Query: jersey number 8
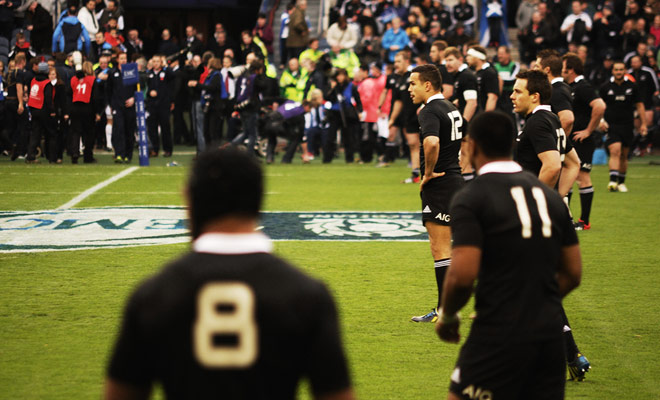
225	309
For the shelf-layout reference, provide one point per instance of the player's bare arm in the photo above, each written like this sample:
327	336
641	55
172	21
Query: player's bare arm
569	172
459	282
470	109
641	111
597	112
396	110
551	167
431	151
570	269
567	118
121	391
491	103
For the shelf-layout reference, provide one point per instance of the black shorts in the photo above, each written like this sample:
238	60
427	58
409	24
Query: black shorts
412	124
620	133
436	198
510	369
585	150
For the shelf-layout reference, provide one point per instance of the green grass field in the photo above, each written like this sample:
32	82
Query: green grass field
59	311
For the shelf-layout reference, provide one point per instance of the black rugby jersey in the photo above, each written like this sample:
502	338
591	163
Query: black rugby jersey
488	81
520	225
621	101
230	320
542	132
464	80
583	95
562	96
441	118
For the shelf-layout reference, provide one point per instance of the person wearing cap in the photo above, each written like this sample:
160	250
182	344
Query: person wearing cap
42	109
603	72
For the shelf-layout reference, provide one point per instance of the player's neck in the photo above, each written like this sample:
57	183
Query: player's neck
231	225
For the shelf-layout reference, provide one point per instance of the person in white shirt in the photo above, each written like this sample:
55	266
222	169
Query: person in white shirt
573	21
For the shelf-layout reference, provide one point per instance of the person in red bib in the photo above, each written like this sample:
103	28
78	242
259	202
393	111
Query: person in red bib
86	108
40	101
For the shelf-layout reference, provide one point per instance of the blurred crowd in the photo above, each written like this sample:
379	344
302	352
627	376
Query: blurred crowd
342	93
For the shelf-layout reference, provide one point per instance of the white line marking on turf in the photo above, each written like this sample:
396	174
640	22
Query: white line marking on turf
82	196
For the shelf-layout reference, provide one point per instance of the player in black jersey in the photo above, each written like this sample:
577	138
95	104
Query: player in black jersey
539	144
437	56
589	110
440	136
465	95
512	233
561	103
623	98
538	150
228	320
488	81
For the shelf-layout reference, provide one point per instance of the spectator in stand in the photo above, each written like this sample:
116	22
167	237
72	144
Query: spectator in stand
295	84
463	12
7	17
70	34
22	46
641	49
607	26
112	10
458	37
369	49
535	38
248	46
40	24
193	45
264	31
114	38
284	32
577	25
312	52
346	59
394	39
98	47
352	9
524	13
367	19
298	30
603	72
134	44
341	35
440	14
655	30
87	18
167	46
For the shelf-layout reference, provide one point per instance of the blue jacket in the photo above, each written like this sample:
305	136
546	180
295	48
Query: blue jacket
70	35
391	39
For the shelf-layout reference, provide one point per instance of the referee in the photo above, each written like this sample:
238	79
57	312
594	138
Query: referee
440	137
514	234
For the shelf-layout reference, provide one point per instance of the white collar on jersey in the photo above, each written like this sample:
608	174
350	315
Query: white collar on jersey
625	78
557	79
542	107
484	66
462	67
234	243
500	167
437	96
578	78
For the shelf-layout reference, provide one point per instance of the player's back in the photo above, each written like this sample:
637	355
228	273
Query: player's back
521	225
239	326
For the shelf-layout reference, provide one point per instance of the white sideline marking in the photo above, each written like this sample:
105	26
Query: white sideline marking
82	196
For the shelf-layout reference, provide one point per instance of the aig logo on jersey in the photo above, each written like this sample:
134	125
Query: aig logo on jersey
443	217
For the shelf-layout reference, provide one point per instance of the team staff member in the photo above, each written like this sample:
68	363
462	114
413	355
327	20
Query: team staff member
228	320
465	96
622	97
159	104
122	103
514	234
86	108
589	110
394	122
440	136
15	115
42	109
538	150
345	115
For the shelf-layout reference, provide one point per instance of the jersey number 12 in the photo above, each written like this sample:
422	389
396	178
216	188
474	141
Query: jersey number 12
226	310
518	195
456	124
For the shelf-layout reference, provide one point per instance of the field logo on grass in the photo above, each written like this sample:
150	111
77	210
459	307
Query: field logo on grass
111	227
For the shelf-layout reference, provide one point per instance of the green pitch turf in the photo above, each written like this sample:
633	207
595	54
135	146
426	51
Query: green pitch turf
59	311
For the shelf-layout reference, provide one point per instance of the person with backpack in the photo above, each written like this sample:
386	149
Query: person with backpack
70	34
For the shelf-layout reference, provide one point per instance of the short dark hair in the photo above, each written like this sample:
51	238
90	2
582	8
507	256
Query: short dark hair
574	62
537	82
429	73
223	182
550	58
494	133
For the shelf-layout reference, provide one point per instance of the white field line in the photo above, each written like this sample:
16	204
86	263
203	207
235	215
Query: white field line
82	196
